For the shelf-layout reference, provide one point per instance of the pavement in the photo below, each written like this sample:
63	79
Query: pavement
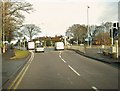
9	66
94	53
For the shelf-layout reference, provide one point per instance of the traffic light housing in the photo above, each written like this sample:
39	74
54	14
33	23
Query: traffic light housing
115	32
110	33
115	29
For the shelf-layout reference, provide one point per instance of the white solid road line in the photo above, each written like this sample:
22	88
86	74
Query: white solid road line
73	70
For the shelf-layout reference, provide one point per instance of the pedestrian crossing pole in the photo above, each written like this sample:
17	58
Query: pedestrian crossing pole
116	45
111	36
114	38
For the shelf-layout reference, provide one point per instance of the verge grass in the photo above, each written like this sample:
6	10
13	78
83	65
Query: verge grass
19	54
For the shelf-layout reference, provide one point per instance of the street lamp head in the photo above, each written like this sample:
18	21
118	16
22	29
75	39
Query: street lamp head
88	6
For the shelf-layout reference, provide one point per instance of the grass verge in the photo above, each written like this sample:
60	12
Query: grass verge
19	54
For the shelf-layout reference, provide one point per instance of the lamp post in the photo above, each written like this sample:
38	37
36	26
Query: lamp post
88	25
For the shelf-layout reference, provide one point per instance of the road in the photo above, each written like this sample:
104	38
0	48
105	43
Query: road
67	70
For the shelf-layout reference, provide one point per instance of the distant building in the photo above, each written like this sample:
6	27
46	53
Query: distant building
49	40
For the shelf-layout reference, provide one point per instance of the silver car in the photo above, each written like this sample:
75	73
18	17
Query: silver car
39	48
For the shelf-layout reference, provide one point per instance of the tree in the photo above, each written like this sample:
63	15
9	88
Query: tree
102	33
12	17
79	32
103	38
108	25
18	35
30	30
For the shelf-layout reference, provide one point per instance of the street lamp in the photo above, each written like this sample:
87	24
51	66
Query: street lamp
88	25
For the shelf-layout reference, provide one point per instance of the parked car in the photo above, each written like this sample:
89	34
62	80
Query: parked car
59	46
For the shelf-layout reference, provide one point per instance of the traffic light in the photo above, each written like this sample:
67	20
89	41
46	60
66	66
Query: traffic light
115	29
110	33
115	32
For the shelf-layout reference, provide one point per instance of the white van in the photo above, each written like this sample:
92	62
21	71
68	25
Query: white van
59	46
31	45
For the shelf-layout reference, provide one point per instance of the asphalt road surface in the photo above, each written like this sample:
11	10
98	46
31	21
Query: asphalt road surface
67	70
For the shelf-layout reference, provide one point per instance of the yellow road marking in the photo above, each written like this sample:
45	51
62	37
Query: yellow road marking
24	68
16	85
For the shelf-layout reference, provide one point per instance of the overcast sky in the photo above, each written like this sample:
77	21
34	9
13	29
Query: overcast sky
55	16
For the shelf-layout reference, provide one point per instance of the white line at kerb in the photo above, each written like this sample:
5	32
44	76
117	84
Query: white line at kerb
73	70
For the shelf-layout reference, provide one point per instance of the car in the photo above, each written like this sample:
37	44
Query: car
59	46
39	48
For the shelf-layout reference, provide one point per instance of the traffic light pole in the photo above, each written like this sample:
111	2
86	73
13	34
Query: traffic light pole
112	37
114	40
116	45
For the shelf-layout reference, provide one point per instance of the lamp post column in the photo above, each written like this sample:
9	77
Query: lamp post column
88	25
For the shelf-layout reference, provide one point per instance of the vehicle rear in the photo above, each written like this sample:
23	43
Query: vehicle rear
59	46
39	48
31	45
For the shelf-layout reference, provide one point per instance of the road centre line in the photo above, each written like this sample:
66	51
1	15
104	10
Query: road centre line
69	65
62	58
18	76
60	52
74	70
93	87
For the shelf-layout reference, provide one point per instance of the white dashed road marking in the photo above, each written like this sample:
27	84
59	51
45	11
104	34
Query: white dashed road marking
63	60
61	57
68	65
73	70
93	87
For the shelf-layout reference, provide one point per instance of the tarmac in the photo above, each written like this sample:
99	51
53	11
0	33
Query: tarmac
10	67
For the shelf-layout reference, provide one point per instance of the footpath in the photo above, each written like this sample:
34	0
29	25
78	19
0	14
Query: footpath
94	53
9	66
